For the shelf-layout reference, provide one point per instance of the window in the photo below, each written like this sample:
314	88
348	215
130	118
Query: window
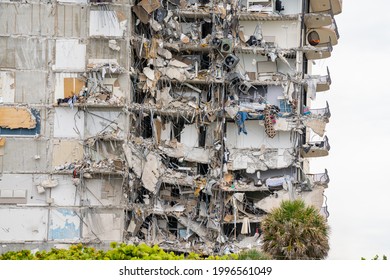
285	107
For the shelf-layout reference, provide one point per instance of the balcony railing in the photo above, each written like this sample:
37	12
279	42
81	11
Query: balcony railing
321	112
316	148
319	178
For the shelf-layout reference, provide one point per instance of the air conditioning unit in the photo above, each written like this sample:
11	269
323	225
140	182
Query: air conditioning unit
231	61
226	45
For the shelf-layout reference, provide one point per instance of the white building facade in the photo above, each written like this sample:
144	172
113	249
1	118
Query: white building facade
178	123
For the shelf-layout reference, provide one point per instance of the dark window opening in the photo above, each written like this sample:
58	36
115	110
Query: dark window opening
206	29
203	169
228	229
144	127
172	225
202	136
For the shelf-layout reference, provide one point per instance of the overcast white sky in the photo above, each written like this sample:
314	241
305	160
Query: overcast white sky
359	132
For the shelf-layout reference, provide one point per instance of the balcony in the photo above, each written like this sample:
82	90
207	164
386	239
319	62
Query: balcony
321	113
327	6
317	20
321	36
317	83
313	53
320	179
316	148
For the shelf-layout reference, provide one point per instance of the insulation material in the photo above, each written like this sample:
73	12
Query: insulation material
66	151
70	55
64	224
25	224
7	87
104	225
72	86
30	87
59	91
16	117
105	23
68	123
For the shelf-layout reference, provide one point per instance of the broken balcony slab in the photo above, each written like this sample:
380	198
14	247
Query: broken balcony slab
314	198
177	178
316	148
191	154
261	159
152	171
314	20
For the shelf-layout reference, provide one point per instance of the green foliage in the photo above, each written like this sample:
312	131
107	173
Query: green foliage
254	254
295	231
384	258
117	252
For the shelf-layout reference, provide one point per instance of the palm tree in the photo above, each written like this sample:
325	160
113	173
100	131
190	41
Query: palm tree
295	231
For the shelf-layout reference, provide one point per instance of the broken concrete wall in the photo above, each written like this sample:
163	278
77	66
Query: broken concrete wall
68	123
256	137
31	87
25	53
98	48
17	19
103	224
66	193
104	121
70	55
7	87
24	155
64	224
284	34
105	191
71	21
66	151
27	224
28	185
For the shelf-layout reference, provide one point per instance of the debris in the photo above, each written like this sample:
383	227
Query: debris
113	45
49	183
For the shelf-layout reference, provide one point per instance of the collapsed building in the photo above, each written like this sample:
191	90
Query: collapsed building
180	123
